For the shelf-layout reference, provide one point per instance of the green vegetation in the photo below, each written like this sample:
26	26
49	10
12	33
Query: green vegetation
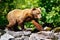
50	10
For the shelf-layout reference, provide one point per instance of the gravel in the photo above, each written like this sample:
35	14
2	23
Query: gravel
27	35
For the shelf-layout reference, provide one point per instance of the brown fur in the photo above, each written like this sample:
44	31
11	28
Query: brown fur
19	16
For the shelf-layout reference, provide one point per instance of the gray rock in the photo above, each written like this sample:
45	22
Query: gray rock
16	34
58	39
47	39
57	35
27	33
19	33
26	38
6	36
41	36
20	38
2	32
48	34
16	38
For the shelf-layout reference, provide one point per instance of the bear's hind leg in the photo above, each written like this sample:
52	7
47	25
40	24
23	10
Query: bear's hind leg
10	25
16	27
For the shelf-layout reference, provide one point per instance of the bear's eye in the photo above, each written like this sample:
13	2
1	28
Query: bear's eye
38	13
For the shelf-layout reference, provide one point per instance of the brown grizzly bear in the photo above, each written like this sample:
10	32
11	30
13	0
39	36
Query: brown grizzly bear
20	16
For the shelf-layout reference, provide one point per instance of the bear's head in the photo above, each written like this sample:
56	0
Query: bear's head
36	13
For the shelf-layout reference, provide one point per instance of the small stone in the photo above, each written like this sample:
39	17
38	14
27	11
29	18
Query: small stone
57	35
58	39
48	39
27	32
19	38
11	39
26	38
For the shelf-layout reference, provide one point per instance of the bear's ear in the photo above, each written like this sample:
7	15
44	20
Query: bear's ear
39	9
33	8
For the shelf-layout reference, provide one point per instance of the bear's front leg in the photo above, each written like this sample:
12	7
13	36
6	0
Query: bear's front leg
21	24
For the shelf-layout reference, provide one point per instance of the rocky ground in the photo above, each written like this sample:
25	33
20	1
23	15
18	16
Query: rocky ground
27	35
